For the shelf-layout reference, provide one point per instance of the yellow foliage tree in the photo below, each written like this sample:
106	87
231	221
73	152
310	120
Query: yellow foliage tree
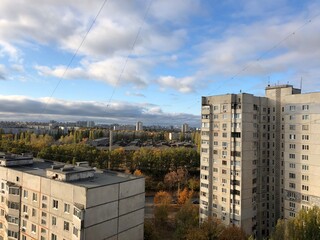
162	197
137	172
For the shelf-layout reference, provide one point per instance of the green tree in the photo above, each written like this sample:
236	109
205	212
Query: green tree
185	219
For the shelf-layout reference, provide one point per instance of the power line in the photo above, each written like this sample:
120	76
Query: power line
131	50
74	55
275	46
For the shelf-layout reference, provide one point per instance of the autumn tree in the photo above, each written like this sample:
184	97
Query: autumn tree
184	196
162	197
171	179
233	233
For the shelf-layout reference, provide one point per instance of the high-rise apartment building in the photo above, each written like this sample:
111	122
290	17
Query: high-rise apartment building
139	126
53	201
259	157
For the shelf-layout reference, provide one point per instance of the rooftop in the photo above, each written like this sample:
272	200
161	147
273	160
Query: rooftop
81	176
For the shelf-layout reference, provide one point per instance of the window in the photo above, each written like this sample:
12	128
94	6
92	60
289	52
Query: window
305	178
12	234
53	237
34	212
292	136
305	127
54	221
305	198
224	135
55	204
14	191
305	167
75	231
292	146
77	212
305	147
305	157
33	228
25	193
292	156
305	117
292	127
305	107
236	134
292	185
44	198
305	137
25	209
66	226
292	165
292	108
305	188
34	197
292	175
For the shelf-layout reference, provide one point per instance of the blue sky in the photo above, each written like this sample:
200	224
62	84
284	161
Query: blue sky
149	60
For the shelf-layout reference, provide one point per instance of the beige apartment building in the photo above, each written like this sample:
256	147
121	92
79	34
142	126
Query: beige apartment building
53	201
259	157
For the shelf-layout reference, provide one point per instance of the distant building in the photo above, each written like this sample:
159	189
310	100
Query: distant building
53	201
90	124
174	136
185	128
139	126
259	157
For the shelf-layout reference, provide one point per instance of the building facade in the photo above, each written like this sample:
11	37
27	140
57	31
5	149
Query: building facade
53	201
259	157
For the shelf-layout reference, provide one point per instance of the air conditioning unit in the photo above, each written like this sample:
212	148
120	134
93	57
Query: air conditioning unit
224	156
26	216
291	209
23	229
224	148
224	129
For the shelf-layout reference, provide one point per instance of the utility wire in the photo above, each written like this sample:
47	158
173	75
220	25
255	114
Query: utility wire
131	50
275	46
74	56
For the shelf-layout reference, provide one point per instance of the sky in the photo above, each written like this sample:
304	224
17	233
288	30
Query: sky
123	61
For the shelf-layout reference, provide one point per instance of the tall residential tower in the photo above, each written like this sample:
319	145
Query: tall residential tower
256	161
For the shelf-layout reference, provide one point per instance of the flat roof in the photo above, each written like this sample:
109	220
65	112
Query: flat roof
101	177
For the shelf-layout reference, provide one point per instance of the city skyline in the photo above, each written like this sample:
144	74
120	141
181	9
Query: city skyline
149	61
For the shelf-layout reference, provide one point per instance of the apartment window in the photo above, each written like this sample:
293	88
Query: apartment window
305	198
55	204
224	125
204	150
215	116
292	127
75	231
292	165
305	188
11	219
66	226
292	117
25	193
14	191
24	223
224	171
292	108
224	116
215	143
215	134
223	199
236	115
292	185
215	170
12	234
25	209
305	107
54	237
236	134
305	157
305	137
292	136
54	221
34	212
292	156
305	117
224	135
205	125
214	188
292	146
34	197
305	127
292	214
305	167
292	175
44	198
205	116
305	147
305	178
33	228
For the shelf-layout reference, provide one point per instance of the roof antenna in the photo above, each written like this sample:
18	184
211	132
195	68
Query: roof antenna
301	84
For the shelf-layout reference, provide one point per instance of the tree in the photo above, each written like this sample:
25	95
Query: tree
150	232
186	218
171	179
184	196
162	197
137	172
233	233
304	226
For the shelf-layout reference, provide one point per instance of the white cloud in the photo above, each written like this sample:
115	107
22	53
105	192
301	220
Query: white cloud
183	85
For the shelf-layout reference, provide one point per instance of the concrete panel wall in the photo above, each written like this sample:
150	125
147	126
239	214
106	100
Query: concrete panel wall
132	187
101	213
130	220
101	195
103	230
131	204
132	234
